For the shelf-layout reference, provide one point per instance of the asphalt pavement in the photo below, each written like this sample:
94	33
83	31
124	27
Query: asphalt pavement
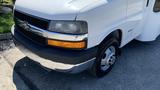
138	68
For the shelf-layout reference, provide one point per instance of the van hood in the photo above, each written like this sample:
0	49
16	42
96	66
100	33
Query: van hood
53	9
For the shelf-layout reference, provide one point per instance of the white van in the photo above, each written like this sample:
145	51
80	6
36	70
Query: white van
76	35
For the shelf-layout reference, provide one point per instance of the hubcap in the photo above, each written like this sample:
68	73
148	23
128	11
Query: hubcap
108	58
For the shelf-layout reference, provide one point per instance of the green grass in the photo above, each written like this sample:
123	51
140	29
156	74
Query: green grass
6	21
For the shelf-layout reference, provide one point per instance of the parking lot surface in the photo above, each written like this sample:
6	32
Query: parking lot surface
138	68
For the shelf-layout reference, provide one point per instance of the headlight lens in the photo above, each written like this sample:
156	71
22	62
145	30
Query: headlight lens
69	27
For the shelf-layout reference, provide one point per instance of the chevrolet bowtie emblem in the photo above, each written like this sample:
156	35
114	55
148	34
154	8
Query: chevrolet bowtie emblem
24	25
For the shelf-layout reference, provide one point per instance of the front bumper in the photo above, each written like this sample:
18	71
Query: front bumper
62	60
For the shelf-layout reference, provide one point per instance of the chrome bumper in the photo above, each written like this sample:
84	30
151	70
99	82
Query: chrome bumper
50	64
61	67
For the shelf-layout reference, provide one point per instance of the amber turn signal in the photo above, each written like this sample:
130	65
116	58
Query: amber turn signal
67	44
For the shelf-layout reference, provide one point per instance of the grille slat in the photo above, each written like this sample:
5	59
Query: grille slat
34	37
33	20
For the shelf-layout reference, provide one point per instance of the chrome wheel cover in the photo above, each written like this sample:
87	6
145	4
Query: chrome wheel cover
109	58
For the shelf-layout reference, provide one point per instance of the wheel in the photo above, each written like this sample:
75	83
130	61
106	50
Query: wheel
106	58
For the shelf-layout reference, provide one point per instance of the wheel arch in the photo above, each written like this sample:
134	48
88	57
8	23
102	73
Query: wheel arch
117	34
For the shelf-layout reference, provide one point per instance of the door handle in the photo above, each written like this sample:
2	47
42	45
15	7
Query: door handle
147	3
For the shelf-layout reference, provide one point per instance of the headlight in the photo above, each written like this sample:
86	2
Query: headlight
69	27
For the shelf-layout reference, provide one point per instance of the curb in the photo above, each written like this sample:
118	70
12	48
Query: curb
15	81
5	36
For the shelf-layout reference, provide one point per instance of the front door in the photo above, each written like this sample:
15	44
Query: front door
135	13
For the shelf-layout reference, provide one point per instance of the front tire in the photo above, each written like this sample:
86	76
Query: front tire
106	58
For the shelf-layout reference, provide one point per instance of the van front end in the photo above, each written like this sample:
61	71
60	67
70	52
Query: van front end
60	45
48	48
69	35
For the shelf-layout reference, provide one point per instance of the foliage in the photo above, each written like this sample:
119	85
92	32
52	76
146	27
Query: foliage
6	21
6	2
